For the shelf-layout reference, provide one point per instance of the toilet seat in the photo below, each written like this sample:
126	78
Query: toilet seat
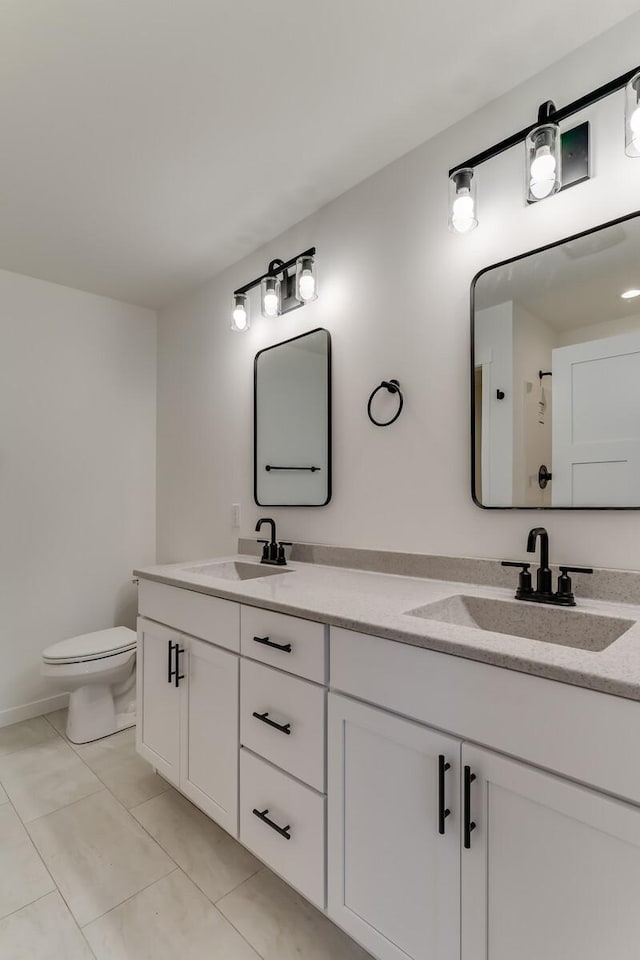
91	646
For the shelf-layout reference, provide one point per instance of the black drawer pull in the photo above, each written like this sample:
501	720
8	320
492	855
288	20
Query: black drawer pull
283	831
469	824
282	727
179	676
170	646
285	647
443	810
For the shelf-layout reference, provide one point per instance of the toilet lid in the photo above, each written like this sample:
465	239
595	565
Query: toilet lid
91	646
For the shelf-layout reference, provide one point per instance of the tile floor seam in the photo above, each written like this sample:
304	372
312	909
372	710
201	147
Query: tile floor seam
40	858
240	934
129	898
233	889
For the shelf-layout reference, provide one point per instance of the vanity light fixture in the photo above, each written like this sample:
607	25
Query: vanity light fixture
241	321
463	215
555	161
630	294
284	287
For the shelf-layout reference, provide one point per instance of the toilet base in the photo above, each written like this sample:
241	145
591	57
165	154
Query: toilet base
97	710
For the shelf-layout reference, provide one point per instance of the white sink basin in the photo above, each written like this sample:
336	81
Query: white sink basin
235	570
549	624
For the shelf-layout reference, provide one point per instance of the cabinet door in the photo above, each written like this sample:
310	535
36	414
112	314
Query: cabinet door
209	732
552	870
394	879
158	722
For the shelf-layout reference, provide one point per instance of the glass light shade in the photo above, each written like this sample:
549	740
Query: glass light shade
544	162
306	279
463	206
632	117
241	320
270	297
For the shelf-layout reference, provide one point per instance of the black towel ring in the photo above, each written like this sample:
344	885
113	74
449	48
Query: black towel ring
393	386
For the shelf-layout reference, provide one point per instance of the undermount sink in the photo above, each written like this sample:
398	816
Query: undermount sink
235	570
567	627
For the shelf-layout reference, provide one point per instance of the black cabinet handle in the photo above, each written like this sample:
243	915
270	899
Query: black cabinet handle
283	831
443	810
170	646
285	647
283	728
469	824
179	676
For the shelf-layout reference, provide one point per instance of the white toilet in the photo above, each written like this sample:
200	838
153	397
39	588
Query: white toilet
99	670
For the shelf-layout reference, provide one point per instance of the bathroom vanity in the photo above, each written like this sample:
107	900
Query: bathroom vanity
410	754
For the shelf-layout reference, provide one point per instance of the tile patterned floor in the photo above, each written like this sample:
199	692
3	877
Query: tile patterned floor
100	859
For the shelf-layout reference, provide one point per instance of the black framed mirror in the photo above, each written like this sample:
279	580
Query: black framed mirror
555	375
292	422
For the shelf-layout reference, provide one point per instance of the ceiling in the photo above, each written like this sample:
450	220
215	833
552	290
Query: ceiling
574	284
148	144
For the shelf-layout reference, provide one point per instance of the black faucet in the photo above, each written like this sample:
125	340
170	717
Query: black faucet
272	551
543	578
544	591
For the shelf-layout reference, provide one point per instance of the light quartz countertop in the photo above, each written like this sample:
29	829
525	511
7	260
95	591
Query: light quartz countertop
377	603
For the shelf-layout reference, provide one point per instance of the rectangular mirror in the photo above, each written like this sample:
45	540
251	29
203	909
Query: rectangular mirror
292	422
555	393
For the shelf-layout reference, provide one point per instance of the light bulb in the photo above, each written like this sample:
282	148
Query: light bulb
240	318
463	215
634	121
544	165
543	162
270	304
307	285
630	294
240	322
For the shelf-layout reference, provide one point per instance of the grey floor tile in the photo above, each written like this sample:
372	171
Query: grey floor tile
97	854
169	919
115	761
23	878
280	925
214	860
28	733
44	778
45	930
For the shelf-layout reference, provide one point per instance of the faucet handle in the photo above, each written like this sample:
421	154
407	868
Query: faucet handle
564	593
265	550
525	588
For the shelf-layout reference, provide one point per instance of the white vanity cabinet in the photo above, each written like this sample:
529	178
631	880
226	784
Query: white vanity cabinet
552	869
158	722
359	785
188	695
394	833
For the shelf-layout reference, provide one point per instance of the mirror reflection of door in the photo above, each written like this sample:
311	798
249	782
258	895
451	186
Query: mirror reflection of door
596	422
570	312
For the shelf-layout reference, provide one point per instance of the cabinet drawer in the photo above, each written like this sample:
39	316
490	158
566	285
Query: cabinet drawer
297	854
292	644
296	705
197	614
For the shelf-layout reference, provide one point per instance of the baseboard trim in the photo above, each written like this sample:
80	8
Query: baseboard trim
36	708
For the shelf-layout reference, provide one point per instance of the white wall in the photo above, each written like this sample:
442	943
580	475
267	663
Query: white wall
77	472
394	292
